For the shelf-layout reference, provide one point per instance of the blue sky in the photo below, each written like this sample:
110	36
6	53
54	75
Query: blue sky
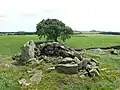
82	15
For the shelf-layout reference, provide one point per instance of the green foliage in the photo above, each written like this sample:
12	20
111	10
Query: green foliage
52	29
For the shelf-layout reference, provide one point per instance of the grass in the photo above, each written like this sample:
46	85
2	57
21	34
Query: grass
109	79
93	41
11	44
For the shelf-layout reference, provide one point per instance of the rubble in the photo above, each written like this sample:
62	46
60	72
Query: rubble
67	60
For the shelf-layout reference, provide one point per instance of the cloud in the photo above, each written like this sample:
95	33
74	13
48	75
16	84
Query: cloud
3	16
79	14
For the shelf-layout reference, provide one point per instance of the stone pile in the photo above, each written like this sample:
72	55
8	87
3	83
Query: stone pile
66	60
53	49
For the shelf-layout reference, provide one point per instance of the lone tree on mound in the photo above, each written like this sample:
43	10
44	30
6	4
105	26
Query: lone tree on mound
51	29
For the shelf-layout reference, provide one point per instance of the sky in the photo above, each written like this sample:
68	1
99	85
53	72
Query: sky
80	15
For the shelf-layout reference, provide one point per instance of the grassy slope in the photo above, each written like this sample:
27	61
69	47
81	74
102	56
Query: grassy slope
108	79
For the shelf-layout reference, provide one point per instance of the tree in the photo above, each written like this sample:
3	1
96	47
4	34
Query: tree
52	29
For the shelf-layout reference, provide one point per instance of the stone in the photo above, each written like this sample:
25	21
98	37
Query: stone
103	69
57	60
34	61
78	56
83	64
16	56
83	72
67	60
114	52
51	69
36	78
7	65
77	60
93	72
67	68
37	52
93	62
46	59
56	49
82	76
23	82
97	50
27	51
63	47
88	67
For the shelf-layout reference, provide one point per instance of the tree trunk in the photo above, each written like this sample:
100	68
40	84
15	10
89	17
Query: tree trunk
55	39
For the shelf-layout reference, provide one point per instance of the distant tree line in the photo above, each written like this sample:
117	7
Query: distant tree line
17	33
110	33
75	33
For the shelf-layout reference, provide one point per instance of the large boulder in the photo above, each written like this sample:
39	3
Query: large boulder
67	68
27	52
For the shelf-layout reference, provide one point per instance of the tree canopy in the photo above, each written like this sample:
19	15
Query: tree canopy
52	29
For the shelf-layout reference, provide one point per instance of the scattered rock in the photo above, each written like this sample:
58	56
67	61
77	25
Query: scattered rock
23	82
51	69
83	72
114	52
16	56
7	65
67	68
36	78
103	69
82	76
96	49
34	61
93	72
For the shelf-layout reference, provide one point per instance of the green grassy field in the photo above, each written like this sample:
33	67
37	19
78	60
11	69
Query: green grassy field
109	79
11	44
